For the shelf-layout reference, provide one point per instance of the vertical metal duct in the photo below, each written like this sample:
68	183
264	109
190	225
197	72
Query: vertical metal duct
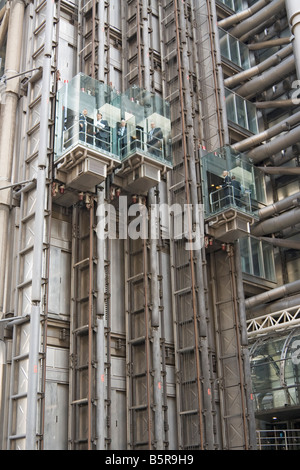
12	68
293	13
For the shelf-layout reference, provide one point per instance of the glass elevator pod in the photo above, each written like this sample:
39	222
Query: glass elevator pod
143	140
85	136
233	190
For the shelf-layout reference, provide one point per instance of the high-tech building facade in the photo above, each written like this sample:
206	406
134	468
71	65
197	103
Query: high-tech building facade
149	224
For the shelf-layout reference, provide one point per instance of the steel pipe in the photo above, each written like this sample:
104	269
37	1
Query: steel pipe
279	206
277	104
258	18
269	43
100	320
242	15
12	68
285	125
267	79
290	244
257	69
276	224
273	294
284	170
280	143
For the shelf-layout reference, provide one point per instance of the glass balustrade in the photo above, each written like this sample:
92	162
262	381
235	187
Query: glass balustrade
257	258
241	112
234	50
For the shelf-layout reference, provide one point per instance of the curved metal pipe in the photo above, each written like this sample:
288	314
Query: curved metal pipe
285	170
273	294
242	15
264	151
277	104
258	18
269	43
291	244
283	126
267	79
257	69
279	206
277	223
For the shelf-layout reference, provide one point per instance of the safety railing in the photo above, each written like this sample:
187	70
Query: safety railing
157	147
87	135
228	196
279	439
119	145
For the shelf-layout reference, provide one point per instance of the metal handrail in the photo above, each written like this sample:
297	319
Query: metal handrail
278	439
113	143
230	196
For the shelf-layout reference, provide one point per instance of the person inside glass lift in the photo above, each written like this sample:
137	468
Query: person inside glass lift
85	127
101	132
122	138
227	188
154	142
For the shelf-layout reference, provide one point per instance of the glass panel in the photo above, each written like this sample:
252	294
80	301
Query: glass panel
230	179
91	114
275	372
241	111
234	50
257	258
235	5
84	115
145	125
268	259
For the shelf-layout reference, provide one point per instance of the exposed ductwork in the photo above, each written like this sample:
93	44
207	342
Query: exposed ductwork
277	104
285	170
276	306
273	294
270	43
268	134
12	68
279	206
242	15
257	69
267	79
258	18
264	151
276	224
291	244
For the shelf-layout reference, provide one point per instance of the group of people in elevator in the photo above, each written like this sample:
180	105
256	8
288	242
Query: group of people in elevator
232	189
99	133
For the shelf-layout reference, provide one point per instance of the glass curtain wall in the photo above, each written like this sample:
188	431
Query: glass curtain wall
275	368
